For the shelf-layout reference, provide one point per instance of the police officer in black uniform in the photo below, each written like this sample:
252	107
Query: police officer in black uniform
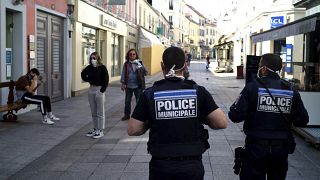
267	129
175	109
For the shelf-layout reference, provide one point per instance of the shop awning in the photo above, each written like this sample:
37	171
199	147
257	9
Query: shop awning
147	39
300	26
222	45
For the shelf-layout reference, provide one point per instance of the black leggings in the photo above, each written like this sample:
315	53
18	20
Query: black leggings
42	101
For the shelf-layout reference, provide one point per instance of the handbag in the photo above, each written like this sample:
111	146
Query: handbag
291	144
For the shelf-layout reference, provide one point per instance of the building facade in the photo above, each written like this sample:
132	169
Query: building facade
41	43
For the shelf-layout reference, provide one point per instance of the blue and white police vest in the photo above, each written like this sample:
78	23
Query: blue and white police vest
283	98
174	104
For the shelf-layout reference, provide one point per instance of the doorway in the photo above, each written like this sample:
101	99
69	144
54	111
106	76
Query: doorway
50	54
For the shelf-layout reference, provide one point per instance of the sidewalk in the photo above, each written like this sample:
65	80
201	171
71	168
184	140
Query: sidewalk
31	150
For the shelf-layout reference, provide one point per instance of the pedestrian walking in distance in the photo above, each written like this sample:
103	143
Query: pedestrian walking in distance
207	61
26	87
268	106
132	80
97	75
175	110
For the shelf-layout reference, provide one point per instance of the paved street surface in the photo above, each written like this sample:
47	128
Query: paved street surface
31	150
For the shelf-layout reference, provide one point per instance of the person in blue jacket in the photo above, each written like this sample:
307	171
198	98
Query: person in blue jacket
132	80
268	135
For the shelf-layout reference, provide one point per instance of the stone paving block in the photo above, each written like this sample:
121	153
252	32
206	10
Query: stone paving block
238	137
126	145
110	167
83	167
215	152
205	159
140	167
7	168
56	166
103	146
207	166
222	168
140	158
108	141
106	176
221	160
117	159
208	175
94	152
134	176
122	152
225	176
235	143
309	171
91	159
68	175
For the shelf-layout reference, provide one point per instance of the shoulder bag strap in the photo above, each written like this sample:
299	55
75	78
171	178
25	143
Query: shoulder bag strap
288	122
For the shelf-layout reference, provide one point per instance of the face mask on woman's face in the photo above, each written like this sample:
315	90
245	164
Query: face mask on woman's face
93	61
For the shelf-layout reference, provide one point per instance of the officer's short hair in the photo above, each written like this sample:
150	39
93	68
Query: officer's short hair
271	61
173	56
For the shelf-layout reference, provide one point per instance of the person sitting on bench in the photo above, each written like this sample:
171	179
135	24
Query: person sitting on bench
25	89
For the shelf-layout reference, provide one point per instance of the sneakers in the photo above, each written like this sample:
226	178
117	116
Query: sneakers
47	120
53	117
91	133
125	117
98	134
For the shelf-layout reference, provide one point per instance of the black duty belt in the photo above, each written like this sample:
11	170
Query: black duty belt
181	158
267	142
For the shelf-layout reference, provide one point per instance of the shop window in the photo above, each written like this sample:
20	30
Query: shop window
88	44
115	61
280	48
307	73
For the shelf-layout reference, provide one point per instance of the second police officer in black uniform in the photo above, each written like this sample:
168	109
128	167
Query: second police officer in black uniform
175	110
268	136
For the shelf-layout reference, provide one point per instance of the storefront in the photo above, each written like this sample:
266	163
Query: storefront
301	63
12	43
225	54
95	30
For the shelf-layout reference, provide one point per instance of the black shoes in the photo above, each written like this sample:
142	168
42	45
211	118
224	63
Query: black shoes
125	117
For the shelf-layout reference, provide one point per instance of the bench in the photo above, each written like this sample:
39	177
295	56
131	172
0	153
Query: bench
11	105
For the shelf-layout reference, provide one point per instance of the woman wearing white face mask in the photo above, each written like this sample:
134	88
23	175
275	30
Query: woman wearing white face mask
97	75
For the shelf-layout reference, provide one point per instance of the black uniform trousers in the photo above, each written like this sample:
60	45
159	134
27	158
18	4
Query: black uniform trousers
264	161
176	169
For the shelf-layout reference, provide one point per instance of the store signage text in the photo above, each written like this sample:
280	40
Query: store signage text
108	22
276	21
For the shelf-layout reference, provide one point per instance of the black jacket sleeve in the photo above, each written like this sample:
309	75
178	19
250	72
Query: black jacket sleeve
105	79
84	74
299	116
239	109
